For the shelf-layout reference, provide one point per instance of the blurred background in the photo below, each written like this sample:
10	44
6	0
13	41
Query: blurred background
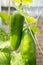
36	9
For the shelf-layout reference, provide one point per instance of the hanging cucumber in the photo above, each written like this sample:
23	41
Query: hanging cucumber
28	48
16	30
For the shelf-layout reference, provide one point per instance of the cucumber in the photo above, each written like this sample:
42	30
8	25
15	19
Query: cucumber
16	30
28	48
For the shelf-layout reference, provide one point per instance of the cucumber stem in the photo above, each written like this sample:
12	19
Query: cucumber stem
21	5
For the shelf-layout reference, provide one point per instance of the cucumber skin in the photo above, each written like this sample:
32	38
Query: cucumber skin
28	48
16	30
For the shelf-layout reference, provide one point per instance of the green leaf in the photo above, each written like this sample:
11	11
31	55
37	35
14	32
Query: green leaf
35	29
4	56
5	50
4	17
3	35
24	2
5	44
17	59
31	19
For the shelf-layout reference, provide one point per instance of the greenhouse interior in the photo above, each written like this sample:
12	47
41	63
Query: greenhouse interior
21	32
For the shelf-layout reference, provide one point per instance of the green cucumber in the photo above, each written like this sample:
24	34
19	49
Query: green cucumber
16	30
28	48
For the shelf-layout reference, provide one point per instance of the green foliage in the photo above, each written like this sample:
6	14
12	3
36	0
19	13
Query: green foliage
31	23
31	19
28	48
5	44
17	59
4	56
35	29
24	2
16	30
3	35
5	17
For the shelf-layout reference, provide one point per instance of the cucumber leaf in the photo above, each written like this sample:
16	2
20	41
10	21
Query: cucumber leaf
24	2
35	29
4	56
5	44
31	19
3	35
4	17
17	59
